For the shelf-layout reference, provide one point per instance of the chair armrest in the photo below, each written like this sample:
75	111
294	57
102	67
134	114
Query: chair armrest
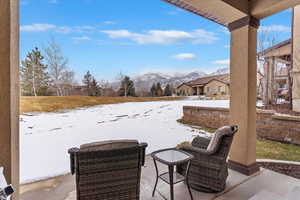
196	150
143	147
72	153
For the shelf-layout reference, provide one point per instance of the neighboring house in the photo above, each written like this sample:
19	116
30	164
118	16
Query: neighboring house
185	90
277	64
209	86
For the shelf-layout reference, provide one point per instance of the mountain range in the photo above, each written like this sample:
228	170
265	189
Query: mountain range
145	81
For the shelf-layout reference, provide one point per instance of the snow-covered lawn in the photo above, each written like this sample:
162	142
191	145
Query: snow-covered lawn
46	137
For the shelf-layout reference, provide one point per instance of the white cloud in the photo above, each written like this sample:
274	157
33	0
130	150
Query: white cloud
58	29
225	30
175	11
275	28
82	38
198	36
64	29
185	56
37	27
118	34
222	62
84	29
109	22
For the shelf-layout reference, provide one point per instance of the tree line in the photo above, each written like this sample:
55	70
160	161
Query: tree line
126	87
45	73
40	72
157	91
93	87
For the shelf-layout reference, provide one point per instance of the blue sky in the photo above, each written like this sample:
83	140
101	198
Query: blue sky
133	36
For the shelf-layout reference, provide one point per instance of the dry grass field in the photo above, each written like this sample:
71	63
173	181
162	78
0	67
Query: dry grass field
52	103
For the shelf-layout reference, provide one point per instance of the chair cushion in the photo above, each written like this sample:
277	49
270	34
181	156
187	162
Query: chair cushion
109	145
216	138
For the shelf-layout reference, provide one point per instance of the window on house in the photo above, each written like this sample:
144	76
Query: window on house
219	88
207	89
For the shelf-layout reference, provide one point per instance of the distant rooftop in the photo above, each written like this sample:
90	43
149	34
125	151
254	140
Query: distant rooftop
225	78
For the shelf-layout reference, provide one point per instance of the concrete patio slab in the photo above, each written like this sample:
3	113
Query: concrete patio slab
267	180
239	187
265	195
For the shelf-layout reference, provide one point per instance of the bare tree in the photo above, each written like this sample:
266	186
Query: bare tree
267	40
120	77
104	84
58	67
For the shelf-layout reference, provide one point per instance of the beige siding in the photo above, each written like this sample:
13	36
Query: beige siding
185	90
215	88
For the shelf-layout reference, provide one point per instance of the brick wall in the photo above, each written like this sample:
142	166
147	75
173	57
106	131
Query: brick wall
270	125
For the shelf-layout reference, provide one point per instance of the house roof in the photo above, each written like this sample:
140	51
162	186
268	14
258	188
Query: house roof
271	49
183	84
225	78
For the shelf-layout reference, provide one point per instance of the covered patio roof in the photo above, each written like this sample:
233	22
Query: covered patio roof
225	12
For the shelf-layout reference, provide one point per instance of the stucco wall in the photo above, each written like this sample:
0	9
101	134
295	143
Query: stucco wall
185	90
269	124
214	88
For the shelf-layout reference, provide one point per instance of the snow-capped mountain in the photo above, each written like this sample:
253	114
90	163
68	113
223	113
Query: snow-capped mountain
221	71
144	81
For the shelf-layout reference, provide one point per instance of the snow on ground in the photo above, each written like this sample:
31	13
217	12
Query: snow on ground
46	137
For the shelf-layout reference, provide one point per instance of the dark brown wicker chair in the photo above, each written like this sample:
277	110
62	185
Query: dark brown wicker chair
109	170
209	170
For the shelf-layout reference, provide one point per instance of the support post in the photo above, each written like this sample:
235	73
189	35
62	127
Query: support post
271	81
243	84
296	59
198	91
9	87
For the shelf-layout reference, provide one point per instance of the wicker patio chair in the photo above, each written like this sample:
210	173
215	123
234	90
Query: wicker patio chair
109	170
209	170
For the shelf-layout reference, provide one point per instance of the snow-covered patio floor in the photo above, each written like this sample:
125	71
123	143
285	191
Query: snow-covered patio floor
46	137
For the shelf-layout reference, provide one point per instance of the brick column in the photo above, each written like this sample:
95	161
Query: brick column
9	88
243	83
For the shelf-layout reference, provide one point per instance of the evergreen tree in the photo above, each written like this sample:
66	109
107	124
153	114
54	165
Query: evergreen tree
127	87
33	74
94	88
153	90
168	90
87	81
159	90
